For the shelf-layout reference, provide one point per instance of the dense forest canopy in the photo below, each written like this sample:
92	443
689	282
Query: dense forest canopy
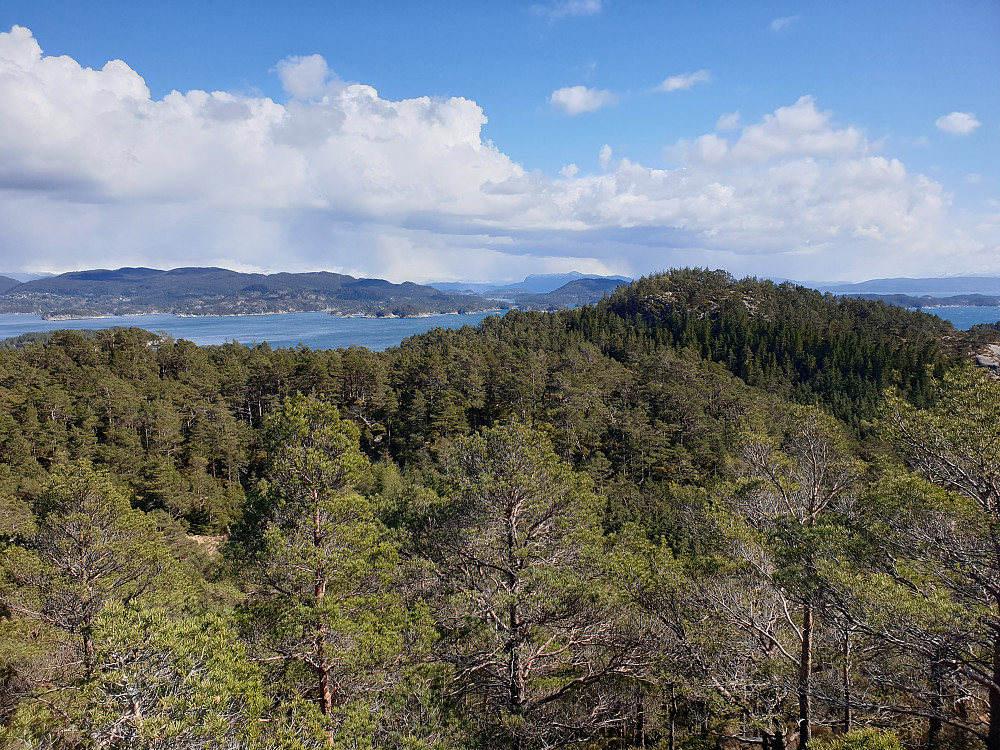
701	511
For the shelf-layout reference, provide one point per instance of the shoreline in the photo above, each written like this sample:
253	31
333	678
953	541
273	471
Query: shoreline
312	330
333	313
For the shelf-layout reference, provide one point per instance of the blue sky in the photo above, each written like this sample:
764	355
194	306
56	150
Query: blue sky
484	141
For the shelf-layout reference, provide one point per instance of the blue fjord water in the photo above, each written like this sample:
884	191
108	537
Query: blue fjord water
315	330
322	331
963	318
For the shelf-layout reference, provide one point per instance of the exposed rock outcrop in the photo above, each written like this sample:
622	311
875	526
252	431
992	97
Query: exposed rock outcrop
990	360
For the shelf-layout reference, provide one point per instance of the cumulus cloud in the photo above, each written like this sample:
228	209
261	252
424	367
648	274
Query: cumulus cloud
728	122
797	130
575	100
604	157
685	81
780	24
957	123
305	77
94	172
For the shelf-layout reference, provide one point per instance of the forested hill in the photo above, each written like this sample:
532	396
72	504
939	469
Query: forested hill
696	294
217	291
164	413
810	346
679	517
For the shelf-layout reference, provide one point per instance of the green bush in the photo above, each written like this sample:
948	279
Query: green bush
860	739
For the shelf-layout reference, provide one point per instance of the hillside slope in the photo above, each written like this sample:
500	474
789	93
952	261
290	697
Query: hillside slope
217	291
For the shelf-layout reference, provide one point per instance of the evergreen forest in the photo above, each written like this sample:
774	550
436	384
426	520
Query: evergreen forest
703	513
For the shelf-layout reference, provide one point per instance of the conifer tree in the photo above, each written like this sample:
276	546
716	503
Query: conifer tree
531	630
320	566
90	548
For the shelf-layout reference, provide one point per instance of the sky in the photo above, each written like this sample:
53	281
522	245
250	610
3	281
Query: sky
466	141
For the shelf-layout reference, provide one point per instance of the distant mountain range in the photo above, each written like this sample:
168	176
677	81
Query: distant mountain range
217	291
929	302
974	290
920	293
585	291
20	277
536	283
946	286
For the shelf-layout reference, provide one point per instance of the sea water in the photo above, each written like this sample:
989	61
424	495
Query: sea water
323	331
963	318
315	330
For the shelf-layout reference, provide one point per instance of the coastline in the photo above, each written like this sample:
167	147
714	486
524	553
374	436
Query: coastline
333	313
312	329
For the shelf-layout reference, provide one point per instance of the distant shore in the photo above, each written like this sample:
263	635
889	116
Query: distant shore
314	330
335	313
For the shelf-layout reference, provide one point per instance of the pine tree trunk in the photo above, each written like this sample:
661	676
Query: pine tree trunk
847	681
326	699
88	655
778	738
672	727
935	724
805	676
993	737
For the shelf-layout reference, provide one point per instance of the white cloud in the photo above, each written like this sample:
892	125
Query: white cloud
94	171
728	122
780	24
957	123
575	100
685	81
18	48
560	9
796	130
604	157
305	77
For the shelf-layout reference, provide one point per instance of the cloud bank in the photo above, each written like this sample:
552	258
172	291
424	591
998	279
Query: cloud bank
96	173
